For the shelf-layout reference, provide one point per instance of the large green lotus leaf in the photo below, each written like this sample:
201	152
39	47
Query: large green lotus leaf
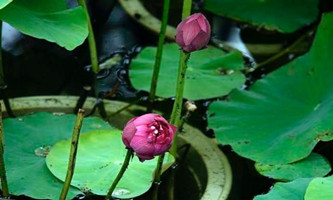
25	139
48	20
320	188
99	159
4	3
284	115
43	6
281	15
204	77
314	165
294	190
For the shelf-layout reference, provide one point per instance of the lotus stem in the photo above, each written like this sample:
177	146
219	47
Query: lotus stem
187	7
157	179
73	152
158	57
281	53
2	77
4	184
177	105
3	85
120	174
91	39
175	117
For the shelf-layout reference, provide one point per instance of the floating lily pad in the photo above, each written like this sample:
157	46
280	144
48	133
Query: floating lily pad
99	159
211	72
27	141
49	20
294	190
281	15
320	188
284	115
314	165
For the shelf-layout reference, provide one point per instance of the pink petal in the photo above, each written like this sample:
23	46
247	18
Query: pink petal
189	48
201	40
142	158
179	38
192	17
128	132
202	23
144	119
190	31
180	25
161	148
141	145
173	129
161	119
142	130
160	139
143	149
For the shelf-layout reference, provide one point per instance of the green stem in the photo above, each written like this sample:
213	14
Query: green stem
187	6
4	184
177	105
120	174
157	179
73	152
91	39
175	116
2	77
281	53
158	57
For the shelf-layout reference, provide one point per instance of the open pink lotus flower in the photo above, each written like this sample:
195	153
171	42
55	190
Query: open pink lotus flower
193	33
148	135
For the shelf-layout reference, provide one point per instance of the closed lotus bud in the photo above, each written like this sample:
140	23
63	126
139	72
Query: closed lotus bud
193	33
148	135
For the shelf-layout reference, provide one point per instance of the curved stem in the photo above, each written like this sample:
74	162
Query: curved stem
159	52
4	184
73	152
120	174
91	39
281	53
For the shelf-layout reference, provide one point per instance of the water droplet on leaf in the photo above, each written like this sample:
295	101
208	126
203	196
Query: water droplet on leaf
42	151
58	113
121	191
